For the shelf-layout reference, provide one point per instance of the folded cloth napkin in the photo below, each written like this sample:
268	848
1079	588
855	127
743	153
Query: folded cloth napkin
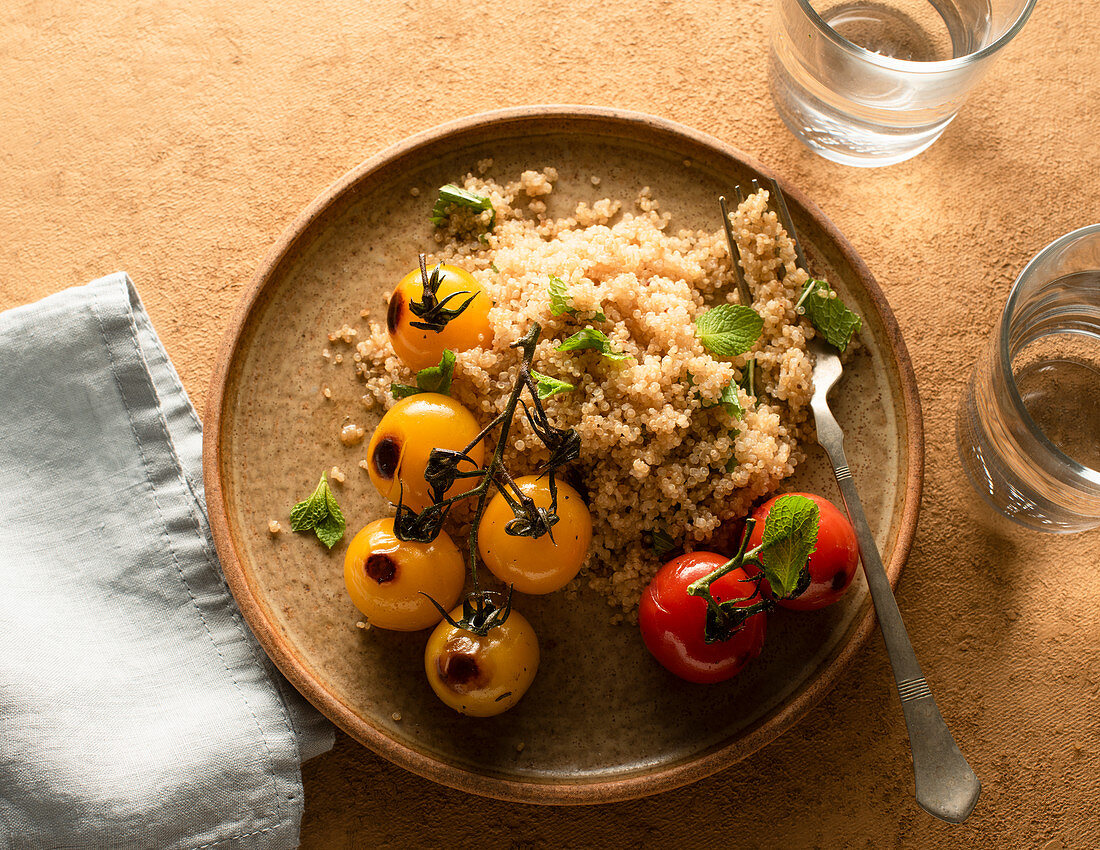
136	708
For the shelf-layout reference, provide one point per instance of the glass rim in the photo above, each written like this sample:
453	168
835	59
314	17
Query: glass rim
1087	473
908	65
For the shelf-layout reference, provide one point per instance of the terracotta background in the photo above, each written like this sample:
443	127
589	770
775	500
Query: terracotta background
176	139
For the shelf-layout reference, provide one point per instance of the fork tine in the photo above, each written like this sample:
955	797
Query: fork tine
735	254
788	224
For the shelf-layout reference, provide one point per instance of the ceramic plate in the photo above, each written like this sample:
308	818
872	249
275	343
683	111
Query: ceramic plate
602	721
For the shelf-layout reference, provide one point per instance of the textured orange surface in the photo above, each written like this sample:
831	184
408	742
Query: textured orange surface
175	139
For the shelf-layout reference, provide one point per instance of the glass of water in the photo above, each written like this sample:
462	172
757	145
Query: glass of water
874	82
1028	428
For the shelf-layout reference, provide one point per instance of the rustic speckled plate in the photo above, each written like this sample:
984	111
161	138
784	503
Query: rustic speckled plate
602	721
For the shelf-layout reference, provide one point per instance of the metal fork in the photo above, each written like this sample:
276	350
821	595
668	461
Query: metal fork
945	784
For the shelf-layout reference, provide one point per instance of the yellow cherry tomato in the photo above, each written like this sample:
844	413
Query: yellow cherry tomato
399	448
536	565
482	675
386	577
421	348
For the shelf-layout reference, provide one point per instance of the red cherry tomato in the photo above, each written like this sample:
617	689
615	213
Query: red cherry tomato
672	622
832	565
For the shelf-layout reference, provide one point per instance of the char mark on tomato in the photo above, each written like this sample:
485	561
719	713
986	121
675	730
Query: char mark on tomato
458	666
840	580
381	567
393	313
386	456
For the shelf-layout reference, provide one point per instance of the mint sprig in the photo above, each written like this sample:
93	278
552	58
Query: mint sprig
453	196
548	386
321	514
730	402
829	314
562	304
592	339
728	399
433	379
790	537
729	329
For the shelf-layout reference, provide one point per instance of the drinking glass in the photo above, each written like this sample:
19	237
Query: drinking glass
1028	426
875	82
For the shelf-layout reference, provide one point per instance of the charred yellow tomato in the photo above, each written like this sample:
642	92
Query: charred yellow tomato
420	347
536	565
399	448
387	578
482	675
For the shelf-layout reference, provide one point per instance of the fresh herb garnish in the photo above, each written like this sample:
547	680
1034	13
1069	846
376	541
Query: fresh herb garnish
562	304
728	399
590	338
729	329
730	402
790	537
493	267
559	297
433	379
320	513
452	196
548	386
434	314
829	314
661	542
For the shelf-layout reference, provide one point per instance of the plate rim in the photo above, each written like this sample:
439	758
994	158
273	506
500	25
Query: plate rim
550	792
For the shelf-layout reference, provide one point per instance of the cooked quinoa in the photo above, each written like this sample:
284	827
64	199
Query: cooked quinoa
658	452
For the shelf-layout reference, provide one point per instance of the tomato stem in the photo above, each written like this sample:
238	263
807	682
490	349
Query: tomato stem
701	587
723	622
480	613
434	313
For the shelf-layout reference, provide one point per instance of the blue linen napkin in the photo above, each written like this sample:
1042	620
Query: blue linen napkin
136	708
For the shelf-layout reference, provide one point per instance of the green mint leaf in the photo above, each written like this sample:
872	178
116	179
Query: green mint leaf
437	379
661	542
728	399
329	531
301	517
307	513
453	196
321	514
830	316
730	402
434	379
548	386
400	391
560	303
589	338
729	329
790	537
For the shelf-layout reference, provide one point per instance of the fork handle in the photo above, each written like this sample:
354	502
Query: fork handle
945	784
